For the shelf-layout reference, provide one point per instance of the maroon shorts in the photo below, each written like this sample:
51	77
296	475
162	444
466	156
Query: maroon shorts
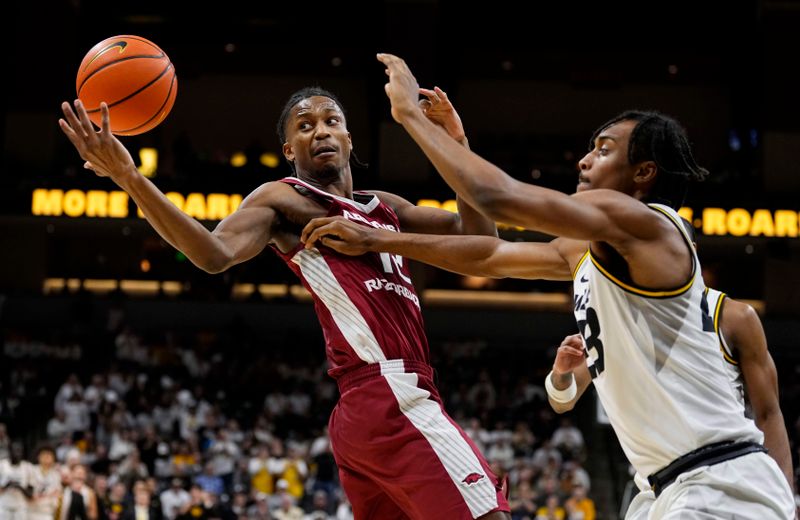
400	455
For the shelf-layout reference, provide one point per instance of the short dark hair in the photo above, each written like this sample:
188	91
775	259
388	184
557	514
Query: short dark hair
300	95
661	139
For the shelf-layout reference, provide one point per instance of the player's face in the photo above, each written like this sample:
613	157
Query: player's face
606	165
317	140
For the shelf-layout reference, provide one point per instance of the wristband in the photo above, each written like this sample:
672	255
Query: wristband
561	396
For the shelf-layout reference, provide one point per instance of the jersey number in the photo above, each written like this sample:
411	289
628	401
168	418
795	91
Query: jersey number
391	261
590	330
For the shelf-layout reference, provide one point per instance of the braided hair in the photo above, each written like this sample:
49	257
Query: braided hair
659	138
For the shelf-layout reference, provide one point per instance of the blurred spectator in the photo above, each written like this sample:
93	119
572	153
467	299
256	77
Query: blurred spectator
319	507
57	426
46	483
174	500
78	500
552	510
523	502
286	510
116	501
260	509
142	508
209	481
16	484
568	438
579	506
260	476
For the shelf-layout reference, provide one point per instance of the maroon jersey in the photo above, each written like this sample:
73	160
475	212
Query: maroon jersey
366	304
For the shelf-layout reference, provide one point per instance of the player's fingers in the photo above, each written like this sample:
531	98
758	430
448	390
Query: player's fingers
387	58
424	104
319	233
441	93
313	224
428	93
83	116
69	132
72	119
571	351
106	119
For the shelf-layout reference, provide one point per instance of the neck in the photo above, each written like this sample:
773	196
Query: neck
340	184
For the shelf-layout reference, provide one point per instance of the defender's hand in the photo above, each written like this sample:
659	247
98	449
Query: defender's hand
402	89
441	111
339	234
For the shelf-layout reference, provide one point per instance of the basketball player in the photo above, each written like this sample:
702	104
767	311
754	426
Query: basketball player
749	366
399	454
638	295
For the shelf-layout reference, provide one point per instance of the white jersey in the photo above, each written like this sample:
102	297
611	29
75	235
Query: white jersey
655	361
716	300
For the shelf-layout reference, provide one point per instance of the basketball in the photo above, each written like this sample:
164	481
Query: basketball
134	77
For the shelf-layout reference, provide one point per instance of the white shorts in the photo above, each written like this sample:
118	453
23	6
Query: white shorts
748	487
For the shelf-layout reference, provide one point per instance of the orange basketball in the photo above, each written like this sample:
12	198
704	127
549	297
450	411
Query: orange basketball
134	77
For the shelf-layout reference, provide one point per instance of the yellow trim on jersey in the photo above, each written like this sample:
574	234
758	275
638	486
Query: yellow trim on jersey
645	292
637	290
717	314
580	262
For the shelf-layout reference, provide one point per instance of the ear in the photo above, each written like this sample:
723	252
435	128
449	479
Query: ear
350	140
288	152
646	172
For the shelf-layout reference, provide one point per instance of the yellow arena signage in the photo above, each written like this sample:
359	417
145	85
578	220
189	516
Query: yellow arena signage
741	222
117	204
737	222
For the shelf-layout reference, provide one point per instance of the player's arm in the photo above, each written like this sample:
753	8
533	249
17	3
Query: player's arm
469	255
742	328
438	109
570	376
595	215
238	237
423	219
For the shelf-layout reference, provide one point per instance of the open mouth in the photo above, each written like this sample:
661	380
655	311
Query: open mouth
324	150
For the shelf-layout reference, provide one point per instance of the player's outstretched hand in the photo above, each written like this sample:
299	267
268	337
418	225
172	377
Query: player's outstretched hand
437	106
402	89
103	152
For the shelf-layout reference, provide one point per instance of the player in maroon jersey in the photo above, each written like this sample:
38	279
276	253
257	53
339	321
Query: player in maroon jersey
399	454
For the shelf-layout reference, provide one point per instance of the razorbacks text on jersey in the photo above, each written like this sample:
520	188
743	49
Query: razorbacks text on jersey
655	360
367	305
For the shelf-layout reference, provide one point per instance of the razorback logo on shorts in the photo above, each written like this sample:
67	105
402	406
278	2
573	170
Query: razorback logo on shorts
472	478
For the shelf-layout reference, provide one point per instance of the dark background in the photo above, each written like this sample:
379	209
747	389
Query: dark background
531	82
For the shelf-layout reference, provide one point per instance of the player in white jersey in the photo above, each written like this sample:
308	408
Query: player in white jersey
638	298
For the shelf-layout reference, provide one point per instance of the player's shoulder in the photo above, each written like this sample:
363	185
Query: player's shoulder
268	193
739	322
736	311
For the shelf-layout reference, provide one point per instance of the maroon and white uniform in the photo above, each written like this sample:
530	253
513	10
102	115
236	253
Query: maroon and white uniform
399	453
